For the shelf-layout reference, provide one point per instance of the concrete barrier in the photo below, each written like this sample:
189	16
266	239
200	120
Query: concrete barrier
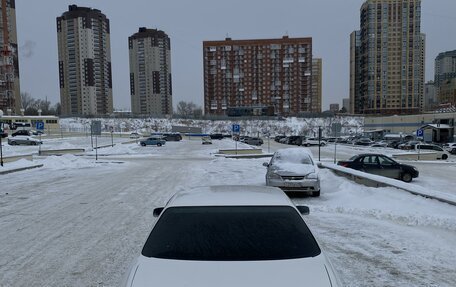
240	151
242	156
18	157
61	151
103	146
373	180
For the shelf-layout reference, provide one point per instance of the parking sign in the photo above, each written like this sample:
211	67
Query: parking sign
419	133
236	128
39	125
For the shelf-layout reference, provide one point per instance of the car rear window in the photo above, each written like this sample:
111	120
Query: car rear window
240	233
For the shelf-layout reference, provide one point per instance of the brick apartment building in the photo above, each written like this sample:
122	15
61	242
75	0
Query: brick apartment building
258	77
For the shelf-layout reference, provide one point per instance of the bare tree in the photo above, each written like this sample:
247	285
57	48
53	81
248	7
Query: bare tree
27	100
187	109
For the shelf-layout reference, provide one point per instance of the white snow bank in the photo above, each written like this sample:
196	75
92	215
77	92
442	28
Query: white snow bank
22	163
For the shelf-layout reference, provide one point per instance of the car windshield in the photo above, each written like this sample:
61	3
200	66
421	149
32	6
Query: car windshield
231	233
292	157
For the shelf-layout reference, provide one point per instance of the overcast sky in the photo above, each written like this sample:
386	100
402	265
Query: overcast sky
188	23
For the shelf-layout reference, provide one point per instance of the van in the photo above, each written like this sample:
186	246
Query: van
440	153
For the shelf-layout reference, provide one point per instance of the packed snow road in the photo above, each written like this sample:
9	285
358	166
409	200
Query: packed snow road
80	223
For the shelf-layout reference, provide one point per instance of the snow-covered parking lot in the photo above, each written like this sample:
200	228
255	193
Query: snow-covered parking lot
78	222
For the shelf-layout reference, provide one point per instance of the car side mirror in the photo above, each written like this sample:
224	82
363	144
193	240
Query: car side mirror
265	164
304	210
158	211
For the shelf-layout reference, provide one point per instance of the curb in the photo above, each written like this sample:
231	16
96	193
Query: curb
20	169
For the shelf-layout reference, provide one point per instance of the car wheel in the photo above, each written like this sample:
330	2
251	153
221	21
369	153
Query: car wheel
307	145
444	157
159	144
407	177
315	193
33	143
143	144
13	143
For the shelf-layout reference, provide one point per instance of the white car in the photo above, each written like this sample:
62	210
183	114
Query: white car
449	146
229	236
439	152
313	141
135	135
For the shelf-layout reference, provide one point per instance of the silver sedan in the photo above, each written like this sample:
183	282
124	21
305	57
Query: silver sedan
23	140
294	171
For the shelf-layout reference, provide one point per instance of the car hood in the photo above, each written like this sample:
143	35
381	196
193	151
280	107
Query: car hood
289	169
296	272
406	166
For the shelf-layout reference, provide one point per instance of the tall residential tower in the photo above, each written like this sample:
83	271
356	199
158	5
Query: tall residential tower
445	77
272	76
84	62
150	73
387	58
10	94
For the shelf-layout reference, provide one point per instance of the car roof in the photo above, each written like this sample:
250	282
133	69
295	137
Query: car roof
230	195
364	154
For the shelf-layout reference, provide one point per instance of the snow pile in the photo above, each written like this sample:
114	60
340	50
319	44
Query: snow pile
288	126
7	166
68	161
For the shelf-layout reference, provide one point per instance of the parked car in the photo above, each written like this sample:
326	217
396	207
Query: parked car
216	136
313	141
175	137
380	164
294	171
206	140
23	140
380	144
241	235
408	145
242	139
22	133
135	135
253	141
278	138
363	142
449	146
394	144
293	140
153	140
440	152
37	132
3	134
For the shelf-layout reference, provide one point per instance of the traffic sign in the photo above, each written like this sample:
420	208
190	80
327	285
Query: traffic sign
419	133
39	125
236	128
96	128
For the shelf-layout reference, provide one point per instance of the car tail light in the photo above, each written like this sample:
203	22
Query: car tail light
344	164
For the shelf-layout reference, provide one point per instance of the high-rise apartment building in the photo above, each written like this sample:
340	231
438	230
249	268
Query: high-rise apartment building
150	73
387	58
317	78
84	62
430	99
346	105
445	71
265	74
10	94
